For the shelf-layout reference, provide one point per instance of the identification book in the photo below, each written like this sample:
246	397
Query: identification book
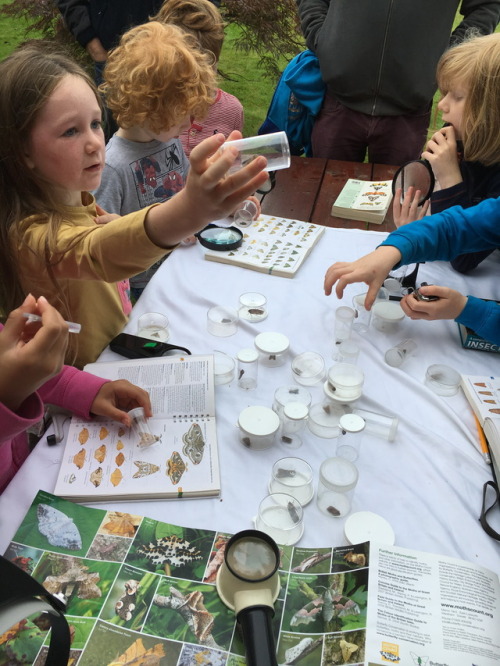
471	340
103	459
142	592
483	394
364	200
273	245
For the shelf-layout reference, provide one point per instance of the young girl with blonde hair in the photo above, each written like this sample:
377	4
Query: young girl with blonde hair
51	156
465	154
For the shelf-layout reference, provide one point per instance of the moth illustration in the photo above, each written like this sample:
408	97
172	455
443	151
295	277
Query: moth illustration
327	606
355	558
347	649
137	655
146	439
100	453
125	606
116	477
58	528
194	444
83	435
96	477
144	469
170	550
175	467
79	458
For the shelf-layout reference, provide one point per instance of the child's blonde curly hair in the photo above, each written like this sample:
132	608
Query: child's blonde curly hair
156	77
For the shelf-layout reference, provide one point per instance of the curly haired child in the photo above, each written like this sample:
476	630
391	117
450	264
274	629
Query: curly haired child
203	21
155	80
51	156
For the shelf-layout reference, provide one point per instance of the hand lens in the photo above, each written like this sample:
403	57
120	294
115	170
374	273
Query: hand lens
248	583
220	239
417	174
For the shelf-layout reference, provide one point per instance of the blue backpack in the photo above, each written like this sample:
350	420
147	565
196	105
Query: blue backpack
296	102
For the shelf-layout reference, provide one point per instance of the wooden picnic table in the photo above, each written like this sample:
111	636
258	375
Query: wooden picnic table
308	188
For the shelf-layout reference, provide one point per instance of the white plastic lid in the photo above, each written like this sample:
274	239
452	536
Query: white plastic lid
352	423
295	410
272	343
390	310
338	474
368	526
260	421
248	355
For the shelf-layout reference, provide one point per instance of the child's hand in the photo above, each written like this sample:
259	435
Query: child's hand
408	210
103	217
210	192
28	359
115	399
441	153
449	305
372	269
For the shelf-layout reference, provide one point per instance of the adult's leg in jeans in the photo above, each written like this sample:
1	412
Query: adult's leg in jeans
339	133
398	139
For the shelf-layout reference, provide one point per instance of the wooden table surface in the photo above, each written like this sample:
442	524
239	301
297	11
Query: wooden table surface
308	188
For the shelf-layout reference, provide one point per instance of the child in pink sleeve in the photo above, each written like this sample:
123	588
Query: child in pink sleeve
32	374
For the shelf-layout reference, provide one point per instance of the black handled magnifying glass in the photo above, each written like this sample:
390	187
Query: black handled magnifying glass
417	174
248	583
220	239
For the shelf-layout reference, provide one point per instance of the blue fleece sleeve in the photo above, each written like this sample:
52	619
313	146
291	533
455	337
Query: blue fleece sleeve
483	317
446	235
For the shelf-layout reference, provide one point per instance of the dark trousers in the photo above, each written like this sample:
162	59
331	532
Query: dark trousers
110	126
340	133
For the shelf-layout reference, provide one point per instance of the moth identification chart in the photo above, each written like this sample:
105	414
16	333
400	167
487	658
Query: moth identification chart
176	457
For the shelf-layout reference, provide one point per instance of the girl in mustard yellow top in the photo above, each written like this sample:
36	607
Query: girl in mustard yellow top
53	240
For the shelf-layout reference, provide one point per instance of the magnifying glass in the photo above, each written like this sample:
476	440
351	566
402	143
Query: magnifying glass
220	239
248	583
417	174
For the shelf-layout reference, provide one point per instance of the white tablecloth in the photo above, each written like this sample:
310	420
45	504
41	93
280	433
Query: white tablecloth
427	484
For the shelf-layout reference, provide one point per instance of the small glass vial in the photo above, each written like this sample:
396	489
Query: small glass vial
397	355
245	215
293	476
292	424
143	436
252	307
347	352
248	365
344	319
324	419
308	368
285	394
387	316
351	427
258	427
272	348
362	318
384	426
337	480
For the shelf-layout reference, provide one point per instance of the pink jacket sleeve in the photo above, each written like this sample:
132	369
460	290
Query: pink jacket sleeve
71	389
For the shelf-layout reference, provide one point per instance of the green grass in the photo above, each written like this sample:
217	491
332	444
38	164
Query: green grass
246	81
12	33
